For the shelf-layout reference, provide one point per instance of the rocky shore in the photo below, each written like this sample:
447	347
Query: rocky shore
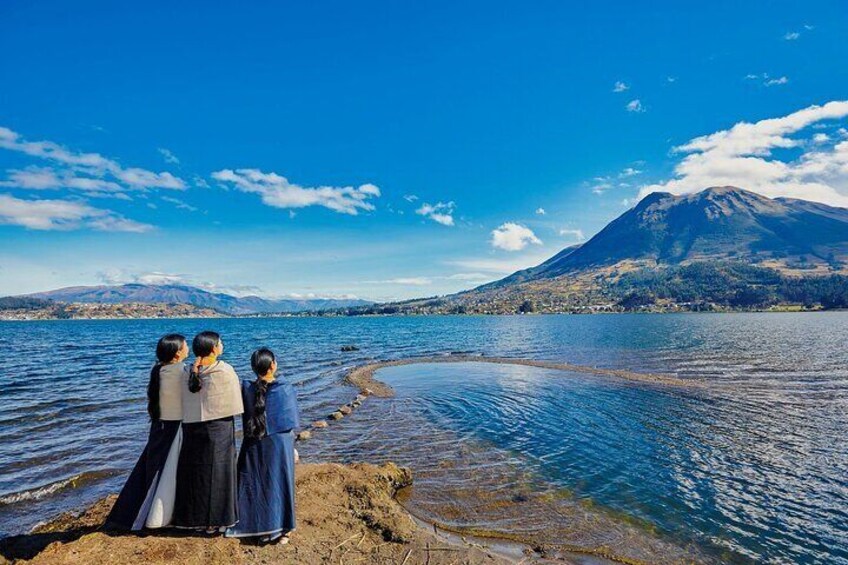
345	513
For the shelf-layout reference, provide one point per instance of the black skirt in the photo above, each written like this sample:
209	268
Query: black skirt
144	477
206	476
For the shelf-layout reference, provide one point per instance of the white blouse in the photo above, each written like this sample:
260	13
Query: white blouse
219	396
172	383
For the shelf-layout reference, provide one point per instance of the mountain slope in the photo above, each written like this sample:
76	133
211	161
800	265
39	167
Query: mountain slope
185	294
721	248
718	223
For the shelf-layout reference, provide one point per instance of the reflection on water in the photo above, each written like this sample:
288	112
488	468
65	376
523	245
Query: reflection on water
751	466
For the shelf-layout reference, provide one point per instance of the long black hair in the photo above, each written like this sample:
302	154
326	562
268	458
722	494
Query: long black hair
260	362
166	350
202	345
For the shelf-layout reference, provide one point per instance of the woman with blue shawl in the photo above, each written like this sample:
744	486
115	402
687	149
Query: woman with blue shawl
267	457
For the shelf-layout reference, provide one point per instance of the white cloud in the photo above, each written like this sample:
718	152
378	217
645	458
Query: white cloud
76	170
791	35
820	138
776	81
513	237
275	190
168	156
62	215
540	211
410	197
743	156
179	204
409	281
629	172
440	212
576	234
620	86
635	106
767	80
671	79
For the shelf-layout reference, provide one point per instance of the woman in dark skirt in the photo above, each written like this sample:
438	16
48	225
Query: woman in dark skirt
147	499
206	473
267	457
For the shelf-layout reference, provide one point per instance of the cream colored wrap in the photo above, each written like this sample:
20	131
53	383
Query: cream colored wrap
219	397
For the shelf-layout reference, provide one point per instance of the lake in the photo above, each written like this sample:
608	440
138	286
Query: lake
749	464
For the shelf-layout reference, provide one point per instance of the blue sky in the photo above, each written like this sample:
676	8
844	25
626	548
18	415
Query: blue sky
390	150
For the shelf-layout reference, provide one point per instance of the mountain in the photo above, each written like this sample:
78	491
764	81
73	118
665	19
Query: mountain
721	248
719	223
185	294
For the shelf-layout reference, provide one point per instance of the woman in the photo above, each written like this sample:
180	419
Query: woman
147	499
267	457
206	473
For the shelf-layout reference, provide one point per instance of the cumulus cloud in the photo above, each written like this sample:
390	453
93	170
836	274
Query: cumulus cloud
62	215
85	171
440	212
276	190
620	86
744	156
513	237
635	106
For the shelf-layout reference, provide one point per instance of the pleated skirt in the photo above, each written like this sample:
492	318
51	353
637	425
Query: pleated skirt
147	498
265	486
206	476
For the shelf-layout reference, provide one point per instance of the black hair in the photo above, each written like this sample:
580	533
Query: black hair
202	345
260	362
166	349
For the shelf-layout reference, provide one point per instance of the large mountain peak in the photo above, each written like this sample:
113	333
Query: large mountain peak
717	223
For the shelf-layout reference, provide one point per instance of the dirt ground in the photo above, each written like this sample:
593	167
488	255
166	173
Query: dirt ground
346	514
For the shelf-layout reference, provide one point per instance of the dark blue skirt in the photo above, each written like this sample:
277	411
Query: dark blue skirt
265	486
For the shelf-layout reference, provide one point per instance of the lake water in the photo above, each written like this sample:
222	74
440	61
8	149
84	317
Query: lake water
749	465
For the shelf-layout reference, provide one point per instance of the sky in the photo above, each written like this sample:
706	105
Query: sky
390	150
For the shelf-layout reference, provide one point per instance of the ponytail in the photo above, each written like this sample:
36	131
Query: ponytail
203	345
260	362
256	426
153	386
194	382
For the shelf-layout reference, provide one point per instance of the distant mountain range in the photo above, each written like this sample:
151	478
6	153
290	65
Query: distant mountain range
185	294
721	248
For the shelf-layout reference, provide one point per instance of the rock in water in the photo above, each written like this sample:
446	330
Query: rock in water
304	435
319	424
347	348
345	410
336	416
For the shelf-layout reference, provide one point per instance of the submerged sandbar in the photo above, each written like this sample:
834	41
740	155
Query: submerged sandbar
363	375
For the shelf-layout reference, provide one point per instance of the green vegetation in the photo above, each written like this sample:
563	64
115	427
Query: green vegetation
728	285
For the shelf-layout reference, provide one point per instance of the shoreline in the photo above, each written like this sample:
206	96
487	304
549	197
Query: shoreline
381	487
347	513
362	376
